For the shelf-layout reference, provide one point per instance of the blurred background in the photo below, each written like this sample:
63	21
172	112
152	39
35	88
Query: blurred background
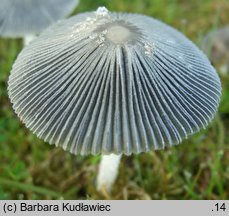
196	169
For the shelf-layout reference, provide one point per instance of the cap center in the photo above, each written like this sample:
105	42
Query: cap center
118	34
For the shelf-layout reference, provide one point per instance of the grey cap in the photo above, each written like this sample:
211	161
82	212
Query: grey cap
216	45
21	17
105	82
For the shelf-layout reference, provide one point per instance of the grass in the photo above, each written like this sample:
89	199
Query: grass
197	169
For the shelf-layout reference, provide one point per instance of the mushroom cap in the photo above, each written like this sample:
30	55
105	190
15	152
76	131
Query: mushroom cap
22	17
216	45
105	82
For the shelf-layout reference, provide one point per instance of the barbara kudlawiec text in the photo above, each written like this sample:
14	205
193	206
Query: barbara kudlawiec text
65	207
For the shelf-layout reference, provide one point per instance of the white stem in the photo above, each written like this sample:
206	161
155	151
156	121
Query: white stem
27	39
108	171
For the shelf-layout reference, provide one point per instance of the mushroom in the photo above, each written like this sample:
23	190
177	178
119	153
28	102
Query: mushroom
111	84
216	45
26	18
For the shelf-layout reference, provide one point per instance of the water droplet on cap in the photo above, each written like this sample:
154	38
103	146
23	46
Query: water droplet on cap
101	11
149	49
